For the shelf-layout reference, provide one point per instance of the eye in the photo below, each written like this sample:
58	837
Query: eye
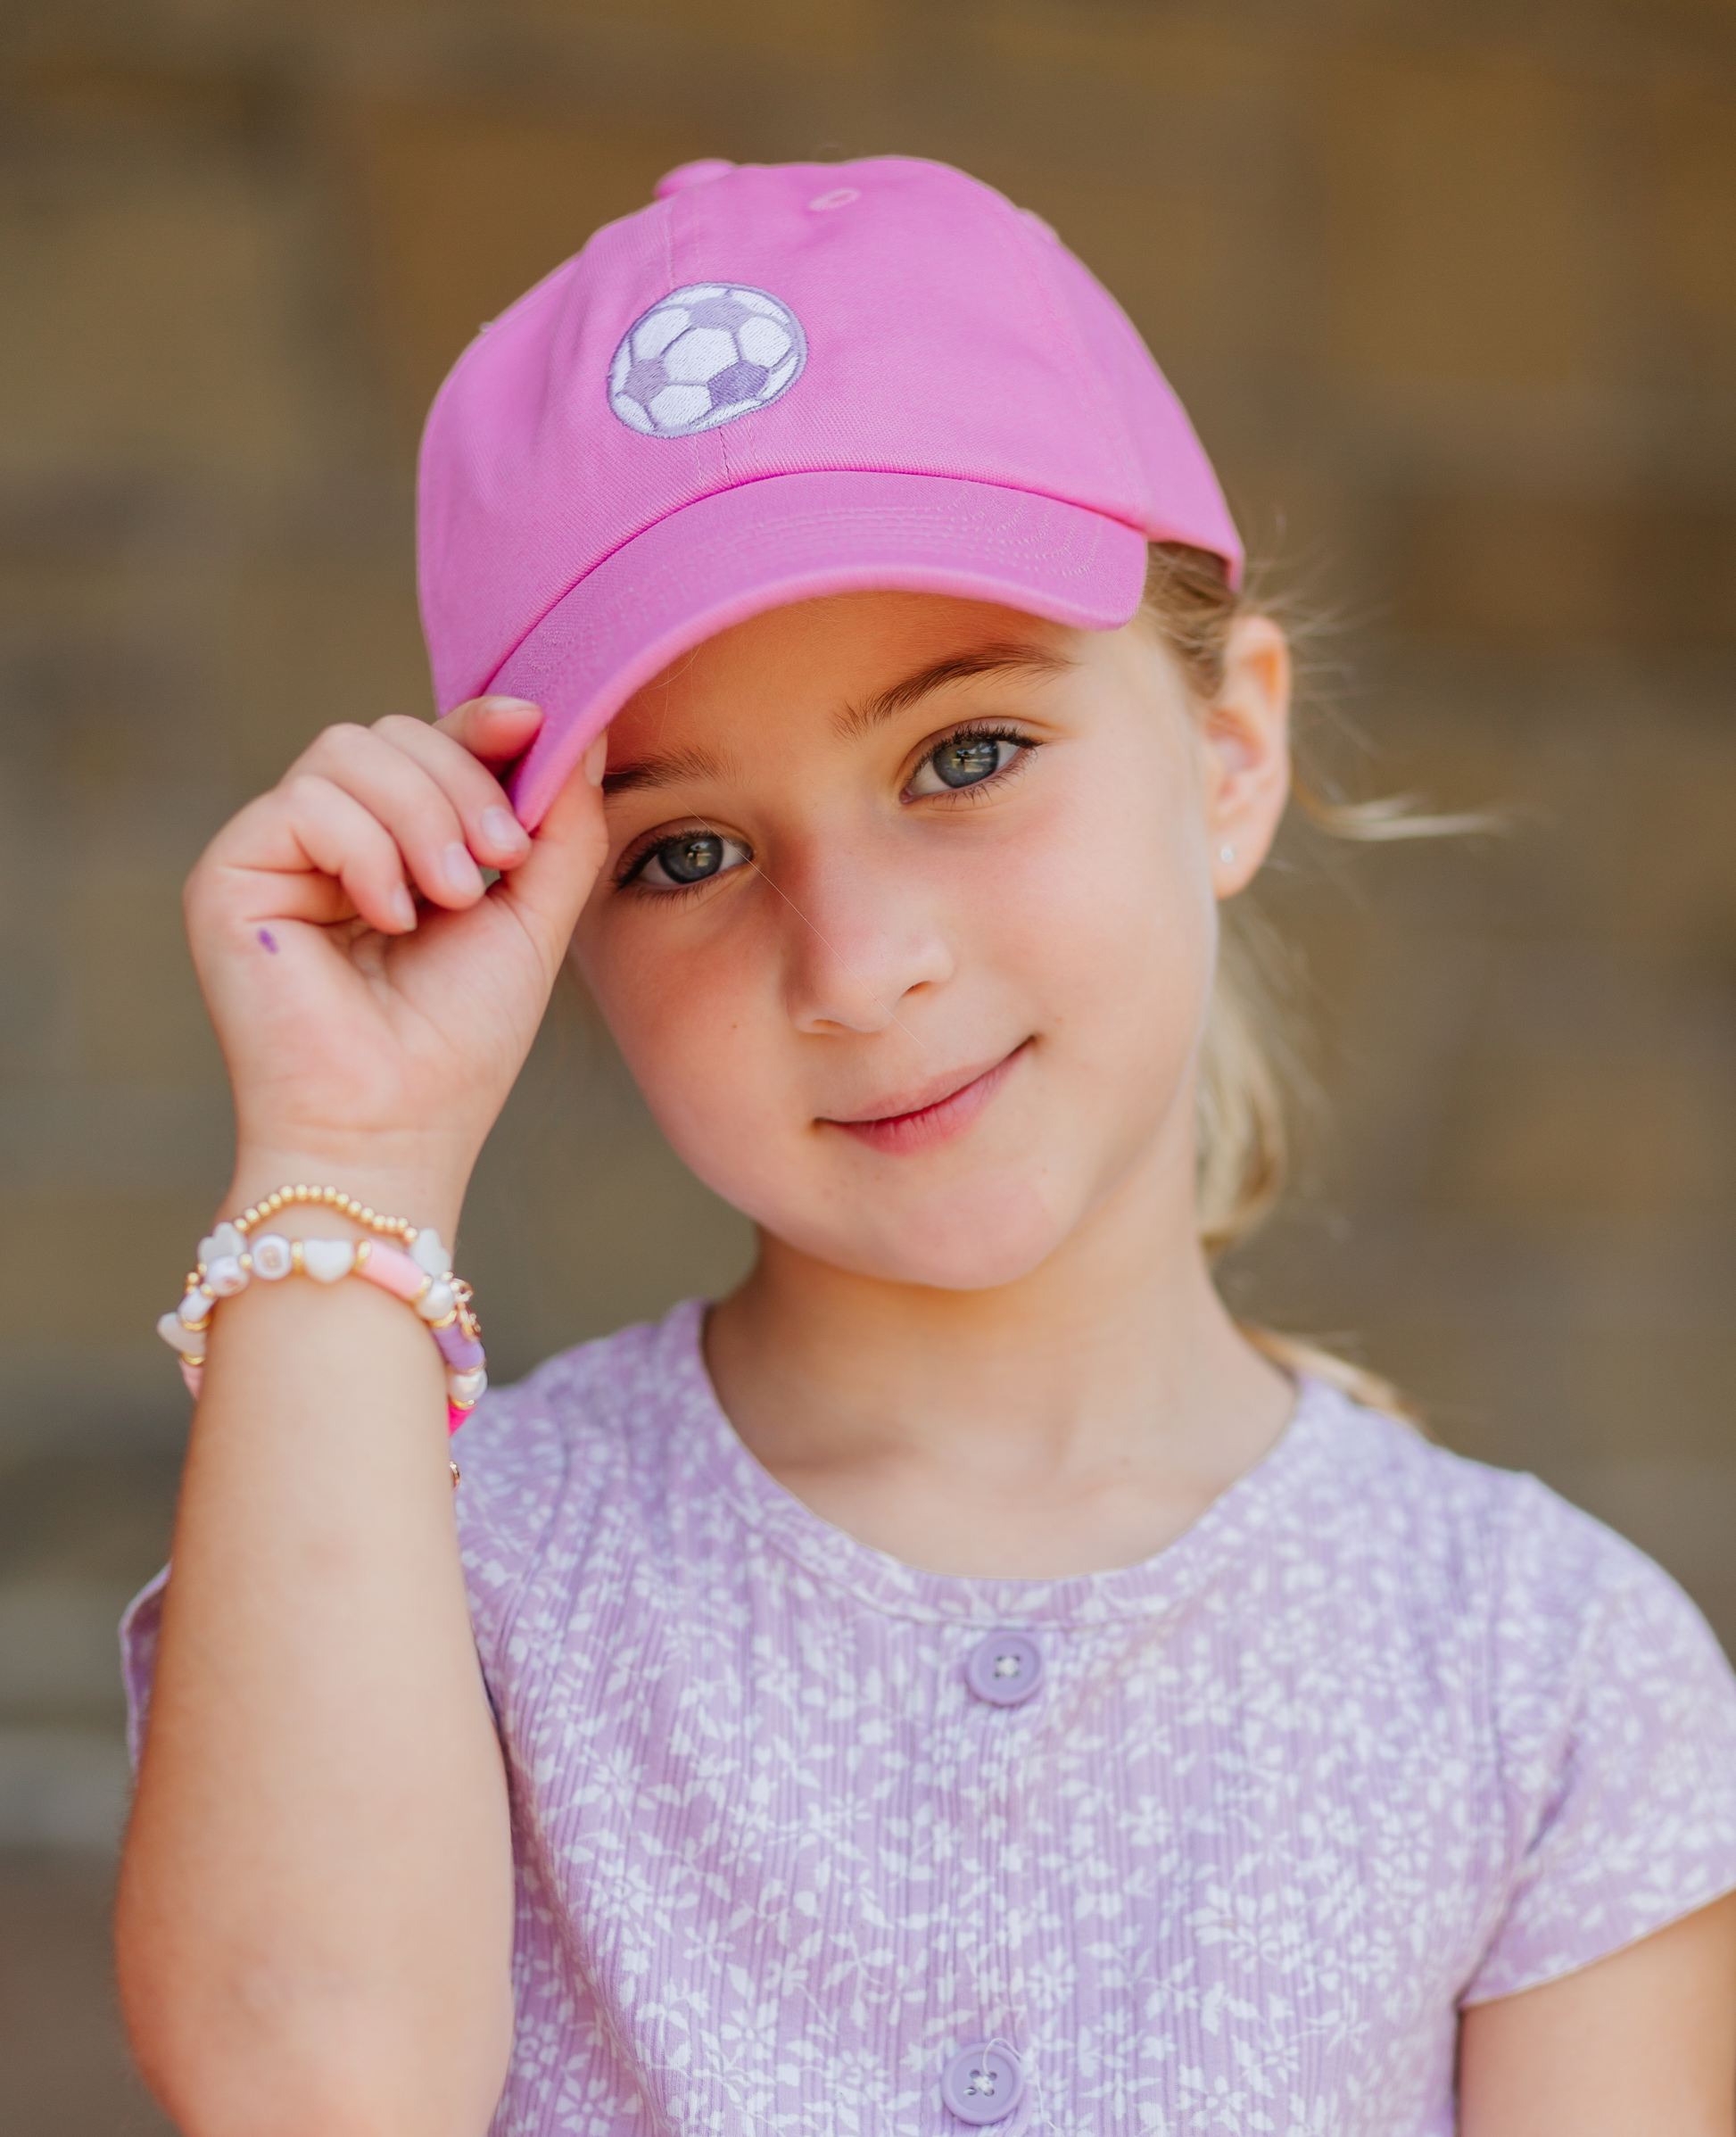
965	759
691	857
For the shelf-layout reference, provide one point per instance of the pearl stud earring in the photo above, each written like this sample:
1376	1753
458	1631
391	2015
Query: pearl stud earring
1227	854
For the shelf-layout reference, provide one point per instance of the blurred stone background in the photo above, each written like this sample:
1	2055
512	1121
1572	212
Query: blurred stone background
1450	292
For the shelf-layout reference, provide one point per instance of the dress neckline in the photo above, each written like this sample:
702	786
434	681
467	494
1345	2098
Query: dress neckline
1154	1587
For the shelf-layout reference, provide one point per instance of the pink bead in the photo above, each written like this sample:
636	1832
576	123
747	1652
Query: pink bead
393	1272
455	1417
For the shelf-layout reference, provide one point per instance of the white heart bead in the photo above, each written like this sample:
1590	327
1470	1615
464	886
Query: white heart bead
225	1243
225	1276
436	1302
428	1251
272	1258
195	1308
466	1386
327	1260
179	1337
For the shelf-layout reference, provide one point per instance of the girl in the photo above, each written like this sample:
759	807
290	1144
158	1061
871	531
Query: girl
960	1679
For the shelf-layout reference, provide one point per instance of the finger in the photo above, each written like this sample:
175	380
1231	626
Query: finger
494	834
494	729
412	805
271	861
567	850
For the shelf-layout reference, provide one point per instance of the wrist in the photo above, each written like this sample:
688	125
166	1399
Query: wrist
407	1184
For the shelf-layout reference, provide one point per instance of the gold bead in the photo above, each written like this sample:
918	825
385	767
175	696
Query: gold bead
368	1216
450	1465
298	1194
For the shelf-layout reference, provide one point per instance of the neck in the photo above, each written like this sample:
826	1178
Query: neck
1100	1402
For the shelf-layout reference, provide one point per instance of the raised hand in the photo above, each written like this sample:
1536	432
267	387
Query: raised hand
364	1035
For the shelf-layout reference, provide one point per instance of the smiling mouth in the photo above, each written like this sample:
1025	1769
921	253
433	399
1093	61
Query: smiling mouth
934	1119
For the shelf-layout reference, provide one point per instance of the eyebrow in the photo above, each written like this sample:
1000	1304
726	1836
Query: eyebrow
665	770
1010	660
670	768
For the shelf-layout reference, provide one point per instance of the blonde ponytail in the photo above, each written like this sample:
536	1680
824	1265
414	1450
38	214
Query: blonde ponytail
1251	1077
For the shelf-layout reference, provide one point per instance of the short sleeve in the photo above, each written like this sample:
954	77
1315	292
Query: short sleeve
1615	1712
514	1460
139	1628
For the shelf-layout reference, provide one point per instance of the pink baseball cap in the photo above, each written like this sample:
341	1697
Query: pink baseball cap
778	382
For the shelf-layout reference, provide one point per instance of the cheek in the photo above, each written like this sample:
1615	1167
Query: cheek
1109	915
697	1028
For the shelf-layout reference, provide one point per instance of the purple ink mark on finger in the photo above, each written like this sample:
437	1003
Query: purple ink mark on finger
269	940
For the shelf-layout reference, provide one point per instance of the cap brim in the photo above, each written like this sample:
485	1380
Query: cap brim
794	538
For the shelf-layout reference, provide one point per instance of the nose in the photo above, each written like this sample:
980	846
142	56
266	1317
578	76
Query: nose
858	939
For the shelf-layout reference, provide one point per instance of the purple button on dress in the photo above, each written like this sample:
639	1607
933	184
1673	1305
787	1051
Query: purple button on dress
1005	1669
982	2082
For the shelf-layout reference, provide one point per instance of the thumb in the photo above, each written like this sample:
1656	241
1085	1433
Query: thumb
548	889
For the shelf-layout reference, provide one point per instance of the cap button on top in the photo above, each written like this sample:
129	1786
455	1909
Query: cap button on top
982	2082
691	174
1005	1669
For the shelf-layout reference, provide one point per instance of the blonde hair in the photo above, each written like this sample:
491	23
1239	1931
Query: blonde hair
1251	1077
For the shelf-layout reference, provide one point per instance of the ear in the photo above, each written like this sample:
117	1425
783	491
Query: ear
1246	737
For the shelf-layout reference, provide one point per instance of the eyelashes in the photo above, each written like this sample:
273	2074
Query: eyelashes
674	863
966	762
972	757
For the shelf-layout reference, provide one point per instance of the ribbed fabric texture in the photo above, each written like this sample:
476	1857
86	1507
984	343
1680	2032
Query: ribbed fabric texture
1385	1732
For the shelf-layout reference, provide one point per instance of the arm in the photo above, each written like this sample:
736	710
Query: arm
315	1914
1643	2041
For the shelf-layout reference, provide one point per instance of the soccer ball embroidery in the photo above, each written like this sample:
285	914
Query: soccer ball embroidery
702	356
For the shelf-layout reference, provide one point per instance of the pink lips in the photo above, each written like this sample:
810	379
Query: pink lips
937	1120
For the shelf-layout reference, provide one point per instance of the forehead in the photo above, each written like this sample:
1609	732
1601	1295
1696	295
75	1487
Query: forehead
828	660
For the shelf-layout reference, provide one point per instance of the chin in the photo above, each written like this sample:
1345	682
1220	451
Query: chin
973	1239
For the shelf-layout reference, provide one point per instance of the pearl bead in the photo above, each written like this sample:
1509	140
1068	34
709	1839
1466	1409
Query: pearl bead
436	1302
464	1387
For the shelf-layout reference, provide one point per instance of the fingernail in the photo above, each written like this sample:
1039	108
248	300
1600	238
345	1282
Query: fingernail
403	908
461	871
510	704
503	831
595	758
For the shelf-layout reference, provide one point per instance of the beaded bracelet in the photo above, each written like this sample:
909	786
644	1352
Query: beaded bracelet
418	1269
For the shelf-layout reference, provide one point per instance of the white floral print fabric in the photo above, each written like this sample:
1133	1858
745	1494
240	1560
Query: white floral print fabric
1386	1733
